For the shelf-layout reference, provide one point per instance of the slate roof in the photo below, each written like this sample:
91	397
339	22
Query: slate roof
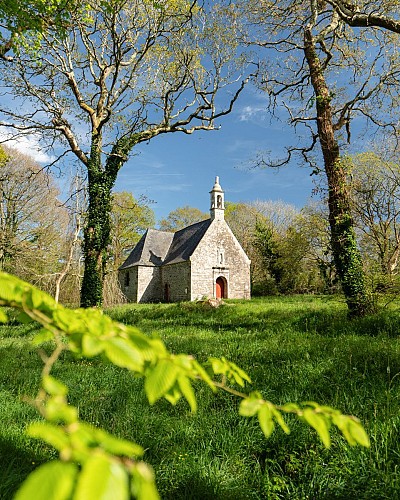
157	248
150	250
185	242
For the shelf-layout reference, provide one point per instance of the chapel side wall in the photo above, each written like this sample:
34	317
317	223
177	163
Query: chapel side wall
149	280
177	276
129	291
207	265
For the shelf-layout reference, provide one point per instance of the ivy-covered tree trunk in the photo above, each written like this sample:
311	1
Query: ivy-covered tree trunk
97	228
344	246
101	180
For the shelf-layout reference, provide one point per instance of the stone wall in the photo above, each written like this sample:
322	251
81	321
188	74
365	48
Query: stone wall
220	254
128	282
177	278
149	284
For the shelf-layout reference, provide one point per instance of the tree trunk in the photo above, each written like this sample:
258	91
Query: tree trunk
97	228
101	181
344	246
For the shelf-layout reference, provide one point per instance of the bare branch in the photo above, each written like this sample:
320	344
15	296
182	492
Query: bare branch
350	14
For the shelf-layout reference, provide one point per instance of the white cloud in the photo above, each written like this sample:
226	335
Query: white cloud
247	113
28	145
151	183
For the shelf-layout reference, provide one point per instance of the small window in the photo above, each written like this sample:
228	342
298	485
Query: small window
221	258
127	279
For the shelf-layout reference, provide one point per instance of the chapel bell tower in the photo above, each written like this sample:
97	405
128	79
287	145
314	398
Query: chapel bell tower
217	206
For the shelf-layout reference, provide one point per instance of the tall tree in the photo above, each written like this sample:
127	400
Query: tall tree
313	224
127	72
30	237
182	217
130	218
375	196
318	69
259	226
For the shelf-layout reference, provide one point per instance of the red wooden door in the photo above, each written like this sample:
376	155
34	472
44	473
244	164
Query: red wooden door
220	288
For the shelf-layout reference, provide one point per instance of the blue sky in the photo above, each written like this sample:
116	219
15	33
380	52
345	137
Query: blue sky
176	169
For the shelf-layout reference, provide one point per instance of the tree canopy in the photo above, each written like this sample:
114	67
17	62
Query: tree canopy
31	238
182	217
24	22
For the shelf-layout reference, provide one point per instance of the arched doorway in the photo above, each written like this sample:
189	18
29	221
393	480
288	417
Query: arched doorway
220	288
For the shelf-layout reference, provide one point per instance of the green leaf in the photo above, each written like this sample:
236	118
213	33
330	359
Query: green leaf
37	299
53	386
250	406
279	419
238	372
3	316
318	422
290	407
51	481
149	348
67	320
117	446
42	336
218	366
186	387
91	346
173	395
357	432
51	434
160	380
123	353
102	478
11	288
341	421
143	485
57	410
266	421
203	375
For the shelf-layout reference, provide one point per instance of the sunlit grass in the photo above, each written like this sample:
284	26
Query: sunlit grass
294	349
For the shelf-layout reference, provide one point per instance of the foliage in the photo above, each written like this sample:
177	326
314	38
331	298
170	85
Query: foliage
182	217
313	224
266	241
31	239
24	23
129	218
375	189
92	462
281	243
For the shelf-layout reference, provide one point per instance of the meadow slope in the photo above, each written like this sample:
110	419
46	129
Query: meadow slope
294	349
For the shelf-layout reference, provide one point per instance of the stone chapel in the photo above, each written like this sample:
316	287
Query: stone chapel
201	260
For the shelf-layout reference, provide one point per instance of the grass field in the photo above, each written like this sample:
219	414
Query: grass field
294	349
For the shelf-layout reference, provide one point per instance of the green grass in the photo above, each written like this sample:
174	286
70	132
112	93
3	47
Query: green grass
294	349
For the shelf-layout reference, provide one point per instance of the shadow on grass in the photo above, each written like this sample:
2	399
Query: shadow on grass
196	488
16	464
227	317
336	323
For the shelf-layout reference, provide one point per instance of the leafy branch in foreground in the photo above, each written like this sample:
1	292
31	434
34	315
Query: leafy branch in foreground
94	464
